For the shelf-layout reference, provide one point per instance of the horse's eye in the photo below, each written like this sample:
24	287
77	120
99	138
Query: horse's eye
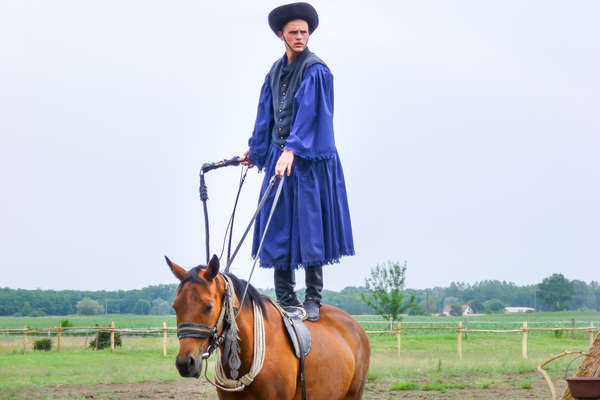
208	308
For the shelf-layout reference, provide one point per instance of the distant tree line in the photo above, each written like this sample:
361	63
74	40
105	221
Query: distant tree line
152	299
553	294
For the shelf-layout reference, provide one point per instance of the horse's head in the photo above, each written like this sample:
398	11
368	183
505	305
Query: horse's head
198	305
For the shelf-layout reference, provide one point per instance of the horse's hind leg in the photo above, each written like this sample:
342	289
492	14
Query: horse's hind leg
357	386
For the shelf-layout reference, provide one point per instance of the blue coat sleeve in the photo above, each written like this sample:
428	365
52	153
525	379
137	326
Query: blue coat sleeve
261	136
311	134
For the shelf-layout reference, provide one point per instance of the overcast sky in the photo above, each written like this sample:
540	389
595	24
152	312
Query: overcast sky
469	132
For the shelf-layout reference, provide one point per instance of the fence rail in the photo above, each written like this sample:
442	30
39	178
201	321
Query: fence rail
460	331
165	330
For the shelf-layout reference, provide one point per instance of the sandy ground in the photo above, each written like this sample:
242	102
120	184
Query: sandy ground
192	389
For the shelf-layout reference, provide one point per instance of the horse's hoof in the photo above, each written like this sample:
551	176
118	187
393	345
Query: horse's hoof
312	310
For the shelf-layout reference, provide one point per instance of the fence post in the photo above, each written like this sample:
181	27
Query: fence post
164	339
459	330
25	339
112	336
399	337
59	337
524	346
572	328
591	333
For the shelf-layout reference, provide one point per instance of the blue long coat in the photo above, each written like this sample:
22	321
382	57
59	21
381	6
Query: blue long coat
311	223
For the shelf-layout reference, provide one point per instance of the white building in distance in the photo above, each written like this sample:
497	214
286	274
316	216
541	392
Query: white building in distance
511	310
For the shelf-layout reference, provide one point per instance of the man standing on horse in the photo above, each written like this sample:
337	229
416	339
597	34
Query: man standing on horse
293	135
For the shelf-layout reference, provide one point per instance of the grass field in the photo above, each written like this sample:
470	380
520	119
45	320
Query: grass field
427	369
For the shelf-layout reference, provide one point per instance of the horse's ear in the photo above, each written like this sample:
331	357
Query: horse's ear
212	269
179	272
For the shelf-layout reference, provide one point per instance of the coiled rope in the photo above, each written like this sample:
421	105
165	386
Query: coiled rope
222	381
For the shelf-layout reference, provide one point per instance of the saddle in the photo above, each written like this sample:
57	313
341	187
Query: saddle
300	340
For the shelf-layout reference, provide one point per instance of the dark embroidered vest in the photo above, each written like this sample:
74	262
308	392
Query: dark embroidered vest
285	81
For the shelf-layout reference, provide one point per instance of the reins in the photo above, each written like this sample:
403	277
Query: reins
226	329
229	229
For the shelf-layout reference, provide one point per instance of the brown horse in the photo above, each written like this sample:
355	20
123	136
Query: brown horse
336	367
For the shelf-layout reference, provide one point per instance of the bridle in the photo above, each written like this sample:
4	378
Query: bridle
226	330
199	331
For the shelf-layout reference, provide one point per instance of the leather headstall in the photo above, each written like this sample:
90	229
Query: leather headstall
199	331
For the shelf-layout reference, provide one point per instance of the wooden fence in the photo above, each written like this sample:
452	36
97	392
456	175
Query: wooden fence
59	330
459	329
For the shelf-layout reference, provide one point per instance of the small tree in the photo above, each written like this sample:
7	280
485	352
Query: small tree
102	340
555	292
42	345
494	305
456	310
476	305
87	306
384	290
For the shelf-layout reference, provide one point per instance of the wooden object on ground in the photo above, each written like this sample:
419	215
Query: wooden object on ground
112	337
588	366
59	337
524	345
164	339
459	330
25	339
399	337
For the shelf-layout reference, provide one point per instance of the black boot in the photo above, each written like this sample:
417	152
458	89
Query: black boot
314	290
285	281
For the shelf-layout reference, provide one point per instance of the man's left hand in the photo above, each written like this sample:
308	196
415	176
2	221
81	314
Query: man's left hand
286	159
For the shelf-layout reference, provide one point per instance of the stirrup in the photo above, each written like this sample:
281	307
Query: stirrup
295	312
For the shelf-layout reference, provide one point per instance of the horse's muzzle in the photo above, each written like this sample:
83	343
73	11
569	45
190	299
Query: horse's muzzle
189	366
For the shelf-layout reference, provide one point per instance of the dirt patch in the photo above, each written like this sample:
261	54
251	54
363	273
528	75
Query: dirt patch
510	386
187	389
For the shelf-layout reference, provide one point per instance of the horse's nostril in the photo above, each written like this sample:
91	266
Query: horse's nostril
191	363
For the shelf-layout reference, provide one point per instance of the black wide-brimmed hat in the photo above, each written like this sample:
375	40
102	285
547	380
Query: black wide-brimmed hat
289	12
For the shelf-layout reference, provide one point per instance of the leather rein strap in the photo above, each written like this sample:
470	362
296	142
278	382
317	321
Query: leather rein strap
193	330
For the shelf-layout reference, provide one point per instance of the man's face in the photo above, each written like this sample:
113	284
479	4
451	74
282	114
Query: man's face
295	34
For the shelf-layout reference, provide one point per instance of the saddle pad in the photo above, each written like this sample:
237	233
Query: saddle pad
298	334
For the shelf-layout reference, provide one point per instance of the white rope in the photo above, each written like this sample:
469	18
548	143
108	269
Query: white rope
222	381
237	385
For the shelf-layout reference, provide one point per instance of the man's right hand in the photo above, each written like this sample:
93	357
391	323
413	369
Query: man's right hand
244	160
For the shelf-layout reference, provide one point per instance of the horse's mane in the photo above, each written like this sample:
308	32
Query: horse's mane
238	286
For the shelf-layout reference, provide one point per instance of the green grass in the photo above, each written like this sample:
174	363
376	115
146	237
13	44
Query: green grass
44	369
121	320
525	385
405	386
428	361
439	386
